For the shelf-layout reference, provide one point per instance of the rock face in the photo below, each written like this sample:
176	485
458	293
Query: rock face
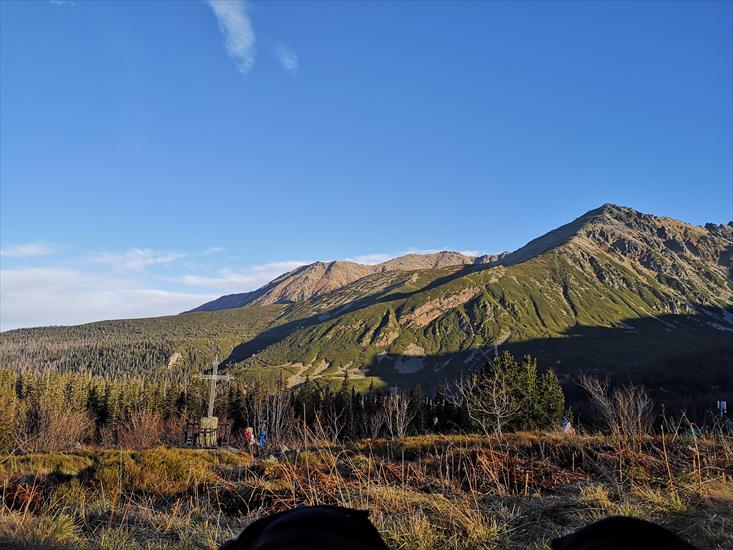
433	309
661	244
322	277
688	258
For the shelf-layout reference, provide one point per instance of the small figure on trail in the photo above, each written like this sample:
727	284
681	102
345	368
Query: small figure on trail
567	427
435	424
249	438
262	440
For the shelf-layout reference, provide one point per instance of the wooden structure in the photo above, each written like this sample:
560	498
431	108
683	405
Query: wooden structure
206	435
195	435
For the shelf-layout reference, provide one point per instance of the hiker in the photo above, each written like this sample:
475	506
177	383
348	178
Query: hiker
249	438
567	427
262	440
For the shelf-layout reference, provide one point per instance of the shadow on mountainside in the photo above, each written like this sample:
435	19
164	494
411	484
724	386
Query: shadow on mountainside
684	361
280	332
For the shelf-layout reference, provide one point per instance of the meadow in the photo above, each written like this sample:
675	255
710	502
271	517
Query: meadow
423	492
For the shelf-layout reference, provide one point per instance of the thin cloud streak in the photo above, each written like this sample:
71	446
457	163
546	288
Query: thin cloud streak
371	259
28	250
239	36
135	259
380	257
288	58
242	280
139	282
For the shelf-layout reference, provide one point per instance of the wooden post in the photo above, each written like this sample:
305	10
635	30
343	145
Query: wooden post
210	423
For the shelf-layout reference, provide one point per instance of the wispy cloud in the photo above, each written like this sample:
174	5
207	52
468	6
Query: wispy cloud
241	280
371	259
135	259
288	58
213	250
239	37
62	295
379	257
475	253
138	282
63	3
28	250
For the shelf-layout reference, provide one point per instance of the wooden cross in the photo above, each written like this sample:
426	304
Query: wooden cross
214	377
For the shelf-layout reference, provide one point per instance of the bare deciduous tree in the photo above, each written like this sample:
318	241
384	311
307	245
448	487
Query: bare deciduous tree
627	411
370	420
335	422
280	413
144	430
397	414
374	424
272	411
487	398
48	426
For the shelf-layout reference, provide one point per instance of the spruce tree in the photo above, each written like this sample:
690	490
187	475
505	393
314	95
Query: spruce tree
551	400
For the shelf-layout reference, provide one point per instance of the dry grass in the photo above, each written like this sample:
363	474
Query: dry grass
423	492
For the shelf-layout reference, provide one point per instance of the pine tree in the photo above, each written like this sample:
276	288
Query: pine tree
9	410
551	400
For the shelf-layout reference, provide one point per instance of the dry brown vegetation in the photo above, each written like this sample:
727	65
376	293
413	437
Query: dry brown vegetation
423	492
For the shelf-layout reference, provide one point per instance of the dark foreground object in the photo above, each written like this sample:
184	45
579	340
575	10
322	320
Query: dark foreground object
310	528
621	533
336	528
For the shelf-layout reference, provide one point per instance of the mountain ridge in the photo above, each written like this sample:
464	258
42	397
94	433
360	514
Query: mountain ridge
321	277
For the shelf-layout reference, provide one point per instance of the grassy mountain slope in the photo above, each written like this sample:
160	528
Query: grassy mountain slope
606	269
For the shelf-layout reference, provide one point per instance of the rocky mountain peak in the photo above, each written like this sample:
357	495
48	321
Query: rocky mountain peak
671	249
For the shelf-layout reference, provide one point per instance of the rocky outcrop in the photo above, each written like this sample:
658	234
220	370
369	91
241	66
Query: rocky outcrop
434	308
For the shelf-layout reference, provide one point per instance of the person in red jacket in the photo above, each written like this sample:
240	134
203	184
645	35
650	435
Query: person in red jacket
249	438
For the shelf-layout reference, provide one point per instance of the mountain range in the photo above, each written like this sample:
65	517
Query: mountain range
614	291
319	278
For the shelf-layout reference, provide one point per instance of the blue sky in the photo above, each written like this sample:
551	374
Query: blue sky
154	155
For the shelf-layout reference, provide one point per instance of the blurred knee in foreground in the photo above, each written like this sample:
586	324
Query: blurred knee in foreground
621	533
313	527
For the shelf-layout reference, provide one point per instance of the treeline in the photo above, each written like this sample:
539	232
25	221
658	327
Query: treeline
56	411
135	347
